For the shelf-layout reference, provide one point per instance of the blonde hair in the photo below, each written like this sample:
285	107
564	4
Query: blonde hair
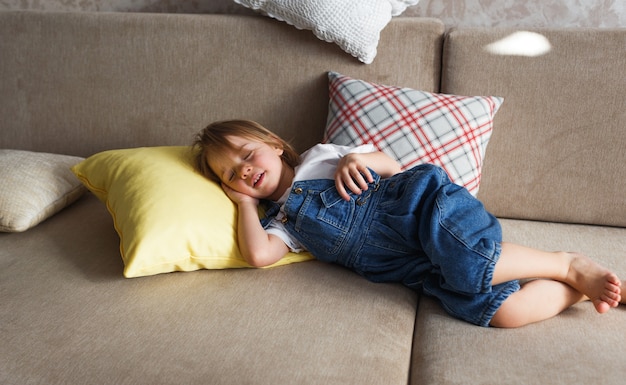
212	140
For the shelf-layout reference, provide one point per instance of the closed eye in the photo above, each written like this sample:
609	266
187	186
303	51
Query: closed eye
232	173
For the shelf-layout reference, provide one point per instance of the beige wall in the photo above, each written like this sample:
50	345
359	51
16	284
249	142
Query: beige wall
511	13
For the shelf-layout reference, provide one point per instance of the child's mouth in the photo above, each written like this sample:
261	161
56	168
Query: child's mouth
258	179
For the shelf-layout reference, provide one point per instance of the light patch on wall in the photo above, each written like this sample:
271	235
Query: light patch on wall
522	43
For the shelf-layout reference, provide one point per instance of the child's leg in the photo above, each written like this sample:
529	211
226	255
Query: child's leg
537	300
599	284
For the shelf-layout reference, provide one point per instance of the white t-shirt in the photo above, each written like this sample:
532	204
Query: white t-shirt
319	162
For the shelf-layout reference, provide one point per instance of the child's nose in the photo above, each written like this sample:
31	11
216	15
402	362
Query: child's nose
244	171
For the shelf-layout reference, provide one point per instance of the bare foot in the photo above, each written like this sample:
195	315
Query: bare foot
599	284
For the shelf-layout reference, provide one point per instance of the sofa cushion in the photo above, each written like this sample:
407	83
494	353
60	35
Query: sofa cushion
413	126
354	25
34	186
168	216
566	347
68	316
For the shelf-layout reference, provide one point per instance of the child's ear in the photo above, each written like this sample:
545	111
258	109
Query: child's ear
278	147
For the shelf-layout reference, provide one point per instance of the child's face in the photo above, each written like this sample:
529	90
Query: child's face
253	168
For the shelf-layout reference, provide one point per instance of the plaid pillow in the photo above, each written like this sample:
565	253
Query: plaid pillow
413	126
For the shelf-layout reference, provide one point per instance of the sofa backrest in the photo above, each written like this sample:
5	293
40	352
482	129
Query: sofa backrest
558	149
79	83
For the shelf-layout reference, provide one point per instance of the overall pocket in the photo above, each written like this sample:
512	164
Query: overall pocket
323	221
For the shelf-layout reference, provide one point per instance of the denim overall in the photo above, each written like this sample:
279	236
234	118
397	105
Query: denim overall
416	228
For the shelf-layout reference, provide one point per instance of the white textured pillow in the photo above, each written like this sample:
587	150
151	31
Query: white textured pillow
354	25
34	186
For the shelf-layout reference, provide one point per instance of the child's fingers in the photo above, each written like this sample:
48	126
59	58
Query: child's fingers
352	175
341	190
358	179
345	182
228	191
367	174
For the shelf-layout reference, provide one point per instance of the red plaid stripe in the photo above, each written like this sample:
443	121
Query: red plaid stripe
413	126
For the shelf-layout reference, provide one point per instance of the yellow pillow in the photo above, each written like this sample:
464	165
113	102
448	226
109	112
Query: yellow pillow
168	216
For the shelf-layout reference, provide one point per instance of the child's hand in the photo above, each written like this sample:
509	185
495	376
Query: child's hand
352	173
238	197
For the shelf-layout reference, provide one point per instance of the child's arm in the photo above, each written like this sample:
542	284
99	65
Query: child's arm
352	171
256	246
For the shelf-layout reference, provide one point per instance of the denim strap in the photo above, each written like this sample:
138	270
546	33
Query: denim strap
271	210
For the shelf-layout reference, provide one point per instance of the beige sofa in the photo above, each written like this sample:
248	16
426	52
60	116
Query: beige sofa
78	84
